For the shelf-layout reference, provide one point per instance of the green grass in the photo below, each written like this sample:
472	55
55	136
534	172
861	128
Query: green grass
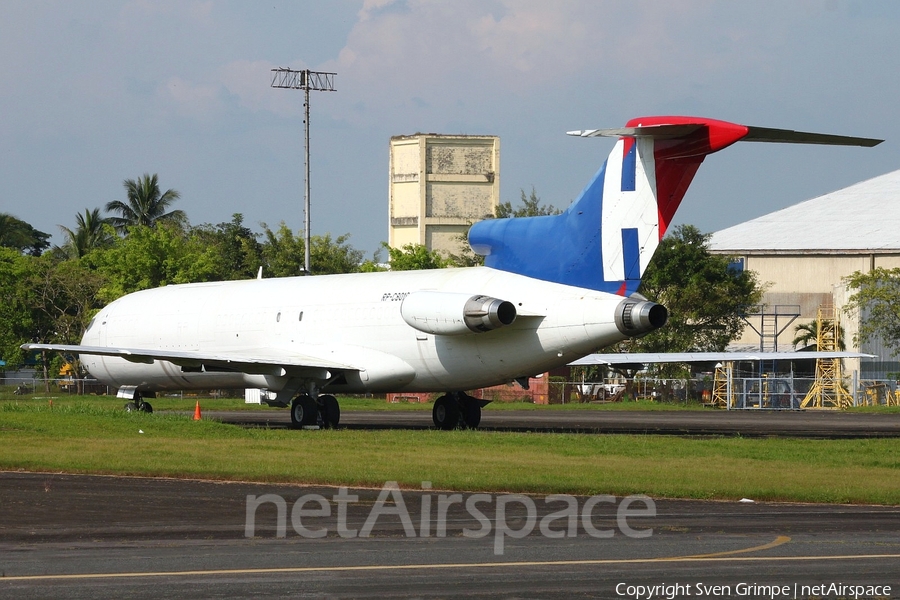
82	437
875	409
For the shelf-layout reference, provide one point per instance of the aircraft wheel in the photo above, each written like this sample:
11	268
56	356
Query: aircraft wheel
303	411
131	407
471	412
446	413
331	411
145	407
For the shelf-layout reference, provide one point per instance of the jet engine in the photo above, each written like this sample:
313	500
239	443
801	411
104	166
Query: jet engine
636	316
447	313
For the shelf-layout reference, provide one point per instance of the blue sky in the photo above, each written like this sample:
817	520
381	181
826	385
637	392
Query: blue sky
92	93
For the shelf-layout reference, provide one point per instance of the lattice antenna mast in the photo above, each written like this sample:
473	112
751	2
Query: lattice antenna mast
305	80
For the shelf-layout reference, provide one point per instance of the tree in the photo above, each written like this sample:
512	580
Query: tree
705	297
531	207
63	298
21	236
151	257
239	252
807	334
877	301
92	231
44	300
146	205
15	309
283	253
327	256
413	257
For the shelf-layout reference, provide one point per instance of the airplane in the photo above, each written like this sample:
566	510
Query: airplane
552	289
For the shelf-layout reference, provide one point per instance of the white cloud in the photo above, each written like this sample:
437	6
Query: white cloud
373	6
398	49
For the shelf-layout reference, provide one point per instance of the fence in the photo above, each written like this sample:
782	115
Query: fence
26	386
767	393
757	393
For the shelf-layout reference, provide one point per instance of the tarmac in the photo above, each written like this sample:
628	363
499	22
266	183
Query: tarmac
84	536
88	536
747	423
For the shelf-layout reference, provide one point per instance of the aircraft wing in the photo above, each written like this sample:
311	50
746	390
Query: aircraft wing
697	357
262	361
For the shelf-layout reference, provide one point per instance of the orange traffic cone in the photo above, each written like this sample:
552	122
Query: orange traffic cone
197	411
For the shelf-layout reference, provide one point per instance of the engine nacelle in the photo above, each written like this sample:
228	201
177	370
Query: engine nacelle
447	313
636	317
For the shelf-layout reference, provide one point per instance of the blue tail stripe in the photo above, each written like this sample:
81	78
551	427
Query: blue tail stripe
631	253
629	169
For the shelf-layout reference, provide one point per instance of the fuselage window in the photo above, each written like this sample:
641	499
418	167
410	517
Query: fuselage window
300	318
278	318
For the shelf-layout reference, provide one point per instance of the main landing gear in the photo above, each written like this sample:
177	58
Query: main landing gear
457	410
323	411
139	404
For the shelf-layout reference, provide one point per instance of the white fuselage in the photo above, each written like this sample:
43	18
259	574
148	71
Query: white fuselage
350	319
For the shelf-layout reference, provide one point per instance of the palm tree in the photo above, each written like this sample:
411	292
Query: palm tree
808	334
18	234
90	233
146	205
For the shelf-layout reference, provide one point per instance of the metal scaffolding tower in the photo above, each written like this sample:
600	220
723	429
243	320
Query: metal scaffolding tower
305	80
723	385
828	389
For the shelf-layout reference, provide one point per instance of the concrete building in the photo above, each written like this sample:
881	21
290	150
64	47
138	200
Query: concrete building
439	186
803	252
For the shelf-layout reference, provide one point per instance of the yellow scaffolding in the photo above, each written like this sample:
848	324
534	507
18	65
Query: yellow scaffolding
723	387
878	394
875	392
828	389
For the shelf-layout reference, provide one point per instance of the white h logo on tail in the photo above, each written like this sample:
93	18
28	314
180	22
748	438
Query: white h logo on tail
629	215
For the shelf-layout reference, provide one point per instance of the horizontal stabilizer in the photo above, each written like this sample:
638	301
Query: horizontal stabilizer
788	136
754	134
657	132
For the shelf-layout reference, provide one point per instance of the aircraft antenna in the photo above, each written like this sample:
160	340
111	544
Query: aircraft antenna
305	80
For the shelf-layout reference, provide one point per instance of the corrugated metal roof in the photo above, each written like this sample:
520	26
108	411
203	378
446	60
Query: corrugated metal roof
864	217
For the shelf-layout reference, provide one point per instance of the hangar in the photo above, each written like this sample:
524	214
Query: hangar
802	253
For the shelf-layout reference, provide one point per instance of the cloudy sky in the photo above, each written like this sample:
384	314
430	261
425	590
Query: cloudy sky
92	93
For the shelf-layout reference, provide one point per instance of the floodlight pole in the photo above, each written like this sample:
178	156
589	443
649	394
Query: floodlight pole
305	80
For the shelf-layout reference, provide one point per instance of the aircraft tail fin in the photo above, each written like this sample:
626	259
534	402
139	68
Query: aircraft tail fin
606	238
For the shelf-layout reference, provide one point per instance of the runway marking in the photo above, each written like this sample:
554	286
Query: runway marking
716	558
781	539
